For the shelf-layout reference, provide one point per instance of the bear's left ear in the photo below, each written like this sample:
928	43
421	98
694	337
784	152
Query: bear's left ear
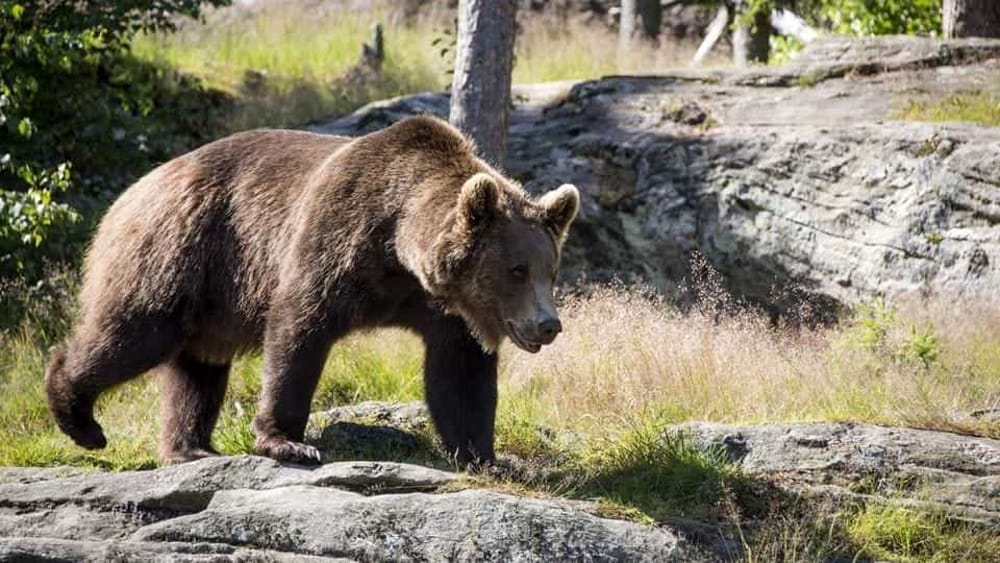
477	202
559	207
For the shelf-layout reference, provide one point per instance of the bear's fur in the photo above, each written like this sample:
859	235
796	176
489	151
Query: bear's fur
290	240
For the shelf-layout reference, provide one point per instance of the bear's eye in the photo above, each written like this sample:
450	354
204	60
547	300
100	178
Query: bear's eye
519	272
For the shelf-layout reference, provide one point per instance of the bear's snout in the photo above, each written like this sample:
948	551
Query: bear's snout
548	329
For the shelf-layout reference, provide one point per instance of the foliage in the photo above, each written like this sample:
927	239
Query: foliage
850	17
880	17
72	100
921	346
872	324
860	17
28	218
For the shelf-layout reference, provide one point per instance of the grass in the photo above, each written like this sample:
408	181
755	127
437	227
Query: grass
973	106
283	69
588	417
913	364
812	531
922	364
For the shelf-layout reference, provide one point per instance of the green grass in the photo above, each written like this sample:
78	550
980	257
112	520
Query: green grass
973	106
660	474
816	530
285	70
383	367
904	534
282	69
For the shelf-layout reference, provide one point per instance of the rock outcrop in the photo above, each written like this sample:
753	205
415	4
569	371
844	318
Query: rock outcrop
788	177
939	471
250	508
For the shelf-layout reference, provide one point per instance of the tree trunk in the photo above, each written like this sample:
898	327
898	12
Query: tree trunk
626	29
651	15
751	41
480	89
971	18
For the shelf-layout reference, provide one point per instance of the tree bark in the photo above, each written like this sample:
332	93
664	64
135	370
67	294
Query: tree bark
751	41
480	89
971	18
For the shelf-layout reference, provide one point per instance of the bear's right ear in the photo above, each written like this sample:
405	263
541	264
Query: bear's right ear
477	202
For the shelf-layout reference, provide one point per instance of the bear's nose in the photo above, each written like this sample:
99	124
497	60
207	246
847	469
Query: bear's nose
549	328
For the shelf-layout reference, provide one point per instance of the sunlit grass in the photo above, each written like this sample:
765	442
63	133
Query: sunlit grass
589	417
622	352
381	366
812	530
972	106
285	68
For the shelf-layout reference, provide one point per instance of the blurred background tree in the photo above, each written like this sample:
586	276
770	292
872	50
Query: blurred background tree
971	18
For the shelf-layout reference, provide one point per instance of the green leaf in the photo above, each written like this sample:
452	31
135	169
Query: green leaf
25	127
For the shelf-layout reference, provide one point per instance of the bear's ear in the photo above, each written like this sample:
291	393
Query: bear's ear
559	207
477	202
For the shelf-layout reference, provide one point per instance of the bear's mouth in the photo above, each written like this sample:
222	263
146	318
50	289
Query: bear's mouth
520	342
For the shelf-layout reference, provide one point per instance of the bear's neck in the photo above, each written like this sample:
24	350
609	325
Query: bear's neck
422	226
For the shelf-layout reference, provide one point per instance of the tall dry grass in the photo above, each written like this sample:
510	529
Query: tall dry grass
916	363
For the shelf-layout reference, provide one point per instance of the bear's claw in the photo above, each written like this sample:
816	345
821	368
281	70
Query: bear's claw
288	451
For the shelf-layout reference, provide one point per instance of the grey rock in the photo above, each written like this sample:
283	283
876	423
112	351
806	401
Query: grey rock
374	430
790	177
48	549
114	505
33	474
468	525
950	472
398	414
251	508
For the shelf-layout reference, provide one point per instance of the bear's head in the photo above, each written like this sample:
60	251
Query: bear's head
497	259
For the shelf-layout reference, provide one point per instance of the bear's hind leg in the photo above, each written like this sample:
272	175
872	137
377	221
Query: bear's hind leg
191	394
96	360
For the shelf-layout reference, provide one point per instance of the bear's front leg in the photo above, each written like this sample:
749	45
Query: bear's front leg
295	350
460	381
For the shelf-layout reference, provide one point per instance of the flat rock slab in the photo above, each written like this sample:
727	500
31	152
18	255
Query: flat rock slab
951	472
252	508
468	525
48	549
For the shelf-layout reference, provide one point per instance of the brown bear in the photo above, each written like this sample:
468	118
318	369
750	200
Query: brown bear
289	240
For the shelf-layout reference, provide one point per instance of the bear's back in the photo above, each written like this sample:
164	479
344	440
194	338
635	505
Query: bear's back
204	229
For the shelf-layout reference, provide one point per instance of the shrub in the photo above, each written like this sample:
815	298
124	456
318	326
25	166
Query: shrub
71	99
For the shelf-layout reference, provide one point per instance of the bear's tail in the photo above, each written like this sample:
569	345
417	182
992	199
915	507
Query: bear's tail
72	410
